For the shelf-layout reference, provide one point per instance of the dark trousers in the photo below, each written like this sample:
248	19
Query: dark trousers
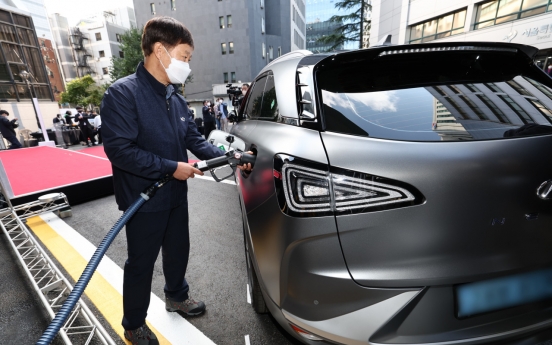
99	136
148	232
208	127
15	144
87	132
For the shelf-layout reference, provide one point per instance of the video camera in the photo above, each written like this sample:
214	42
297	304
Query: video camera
235	94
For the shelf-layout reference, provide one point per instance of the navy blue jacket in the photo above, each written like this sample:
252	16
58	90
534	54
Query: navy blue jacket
146	131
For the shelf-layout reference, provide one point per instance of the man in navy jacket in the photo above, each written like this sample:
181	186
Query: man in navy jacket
146	132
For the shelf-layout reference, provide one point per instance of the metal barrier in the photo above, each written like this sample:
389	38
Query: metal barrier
52	288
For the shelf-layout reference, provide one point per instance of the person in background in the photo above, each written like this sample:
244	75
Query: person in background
68	119
98	125
208	118
217	113
8	131
58	121
87	130
223	110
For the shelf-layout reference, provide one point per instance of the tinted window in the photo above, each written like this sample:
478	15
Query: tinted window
461	98
269	109
253	108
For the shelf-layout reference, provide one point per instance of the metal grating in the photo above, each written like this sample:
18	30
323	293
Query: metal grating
81	327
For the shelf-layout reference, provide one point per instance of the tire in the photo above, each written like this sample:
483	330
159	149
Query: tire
257	299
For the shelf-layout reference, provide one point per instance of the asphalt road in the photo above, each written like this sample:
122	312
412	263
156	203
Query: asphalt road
216	271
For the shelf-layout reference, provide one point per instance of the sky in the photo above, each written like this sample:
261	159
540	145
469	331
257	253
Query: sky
76	10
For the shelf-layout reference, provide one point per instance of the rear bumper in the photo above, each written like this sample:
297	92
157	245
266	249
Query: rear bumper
359	327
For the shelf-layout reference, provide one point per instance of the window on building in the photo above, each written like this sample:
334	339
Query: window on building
118	38
152	8
270	53
473	107
173	5
493	87
545	90
279	51
230	47
223	48
232	77
102	53
221	22
522	114
494	109
225	77
263	52
543	109
229	21
98	36
105	70
444	26
502	11
262	25
121	54
520	89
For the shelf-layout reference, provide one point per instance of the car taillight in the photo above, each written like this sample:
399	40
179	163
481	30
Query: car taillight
301	332
310	190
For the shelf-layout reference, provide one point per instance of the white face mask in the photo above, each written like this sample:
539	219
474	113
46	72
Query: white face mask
208	104
178	70
244	92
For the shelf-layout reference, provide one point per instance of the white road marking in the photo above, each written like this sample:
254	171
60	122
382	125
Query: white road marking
172	326
212	179
248	295
247	340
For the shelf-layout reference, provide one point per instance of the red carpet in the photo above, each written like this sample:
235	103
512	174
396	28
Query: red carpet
98	151
35	169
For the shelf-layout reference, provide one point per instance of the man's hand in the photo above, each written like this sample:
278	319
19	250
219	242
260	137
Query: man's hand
247	168
185	171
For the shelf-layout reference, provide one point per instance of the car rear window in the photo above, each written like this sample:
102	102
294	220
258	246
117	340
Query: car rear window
445	97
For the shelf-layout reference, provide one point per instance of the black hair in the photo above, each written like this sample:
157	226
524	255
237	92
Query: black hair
169	31
2	112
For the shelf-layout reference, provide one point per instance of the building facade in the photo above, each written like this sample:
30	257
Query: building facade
20	51
318	16
234	39
101	41
415	21
52	67
61	37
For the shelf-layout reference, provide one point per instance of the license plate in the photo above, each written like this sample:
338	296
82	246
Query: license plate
500	293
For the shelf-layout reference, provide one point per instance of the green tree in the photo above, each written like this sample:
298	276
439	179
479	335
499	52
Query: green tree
352	27
131	46
78	91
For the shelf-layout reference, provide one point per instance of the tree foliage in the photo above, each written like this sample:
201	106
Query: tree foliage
349	25
83	91
131	47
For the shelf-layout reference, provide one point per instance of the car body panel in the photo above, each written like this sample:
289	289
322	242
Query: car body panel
450	238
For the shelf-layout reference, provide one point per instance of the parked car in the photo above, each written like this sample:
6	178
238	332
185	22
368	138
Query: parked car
401	194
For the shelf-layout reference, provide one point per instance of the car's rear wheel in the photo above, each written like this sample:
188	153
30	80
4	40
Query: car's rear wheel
257	299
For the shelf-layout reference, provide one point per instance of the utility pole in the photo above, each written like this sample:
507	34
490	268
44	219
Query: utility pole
361	24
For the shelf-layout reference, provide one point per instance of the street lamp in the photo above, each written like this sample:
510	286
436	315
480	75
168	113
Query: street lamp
47	142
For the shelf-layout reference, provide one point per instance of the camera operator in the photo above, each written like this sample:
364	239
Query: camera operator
8	131
208	118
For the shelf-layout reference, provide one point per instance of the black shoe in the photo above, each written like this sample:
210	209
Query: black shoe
141	336
188	307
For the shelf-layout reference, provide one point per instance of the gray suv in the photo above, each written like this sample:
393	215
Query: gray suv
401	194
